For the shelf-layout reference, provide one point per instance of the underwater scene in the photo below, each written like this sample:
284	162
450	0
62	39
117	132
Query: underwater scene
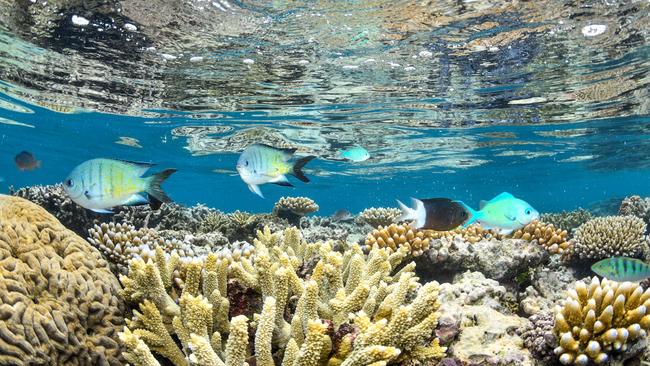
324	183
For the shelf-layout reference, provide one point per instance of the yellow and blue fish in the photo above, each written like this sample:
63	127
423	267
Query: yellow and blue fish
260	164
622	269
101	184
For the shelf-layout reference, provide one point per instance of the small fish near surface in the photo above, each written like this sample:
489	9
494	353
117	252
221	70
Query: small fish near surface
622	269
26	161
101	184
504	213
440	214
356	154
260	164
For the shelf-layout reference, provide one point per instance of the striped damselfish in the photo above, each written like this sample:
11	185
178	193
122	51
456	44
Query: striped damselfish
622	269
100	184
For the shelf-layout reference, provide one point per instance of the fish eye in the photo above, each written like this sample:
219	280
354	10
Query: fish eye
246	162
528	212
69	183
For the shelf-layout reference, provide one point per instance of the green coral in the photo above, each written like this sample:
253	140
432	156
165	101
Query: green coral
392	315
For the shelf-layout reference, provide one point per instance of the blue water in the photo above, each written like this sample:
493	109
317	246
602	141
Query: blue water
454	99
594	162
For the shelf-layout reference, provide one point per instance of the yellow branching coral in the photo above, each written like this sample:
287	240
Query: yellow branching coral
600	318
381	216
394	316
396	236
604	237
473	233
554	240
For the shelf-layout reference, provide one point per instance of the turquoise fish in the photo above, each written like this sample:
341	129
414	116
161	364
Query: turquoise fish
503	213
622	269
260	164
100	184
356	154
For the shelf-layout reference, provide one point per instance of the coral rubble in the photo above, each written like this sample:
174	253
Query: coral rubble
379	216
59	302
600	319
604	237
352	309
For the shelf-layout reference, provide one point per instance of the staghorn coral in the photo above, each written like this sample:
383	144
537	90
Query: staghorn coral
396	236
379	314
600	319
539	338
381	216
554	240
604	237
59	302
294	208
567	220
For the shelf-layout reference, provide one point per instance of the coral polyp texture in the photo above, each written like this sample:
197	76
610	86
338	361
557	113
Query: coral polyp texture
396	236
306	305
553	239
59	302
472	234
604	237
599	320
380	216
294	208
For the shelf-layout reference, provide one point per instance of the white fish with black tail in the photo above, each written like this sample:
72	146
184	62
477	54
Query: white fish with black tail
260	164
504	213
101	184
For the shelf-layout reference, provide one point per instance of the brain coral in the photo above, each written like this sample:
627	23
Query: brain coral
604	237
599	319
59	302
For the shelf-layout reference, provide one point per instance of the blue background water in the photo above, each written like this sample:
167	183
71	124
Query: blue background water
613	160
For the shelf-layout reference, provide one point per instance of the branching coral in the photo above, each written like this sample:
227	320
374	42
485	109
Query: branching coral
636	206
471	234
567	220
380	314
239	225
554	240
399	236
381	216
293	208
59	302
599	319
604	237
539	338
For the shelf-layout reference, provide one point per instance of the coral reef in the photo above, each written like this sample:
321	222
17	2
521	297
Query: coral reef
546	286
554	240
567	220
600	319
497	259
636	206
539	338
170	216
353	309
379	216
294	208
240	225
604	237
399	236
472	234
59	302
481	309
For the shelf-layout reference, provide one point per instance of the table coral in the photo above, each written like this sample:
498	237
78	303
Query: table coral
380	216
381	314
600	319
396	236
294	208
59	302
553	239
604	237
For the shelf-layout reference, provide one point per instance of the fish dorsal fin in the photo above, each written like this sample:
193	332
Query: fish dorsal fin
502	196
141	167
482	204
287	153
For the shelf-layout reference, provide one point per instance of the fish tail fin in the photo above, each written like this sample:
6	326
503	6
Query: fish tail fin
473	214
298	165
155	191
419	213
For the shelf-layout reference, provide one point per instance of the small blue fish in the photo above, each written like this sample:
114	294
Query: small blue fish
504	213
356	154
622	269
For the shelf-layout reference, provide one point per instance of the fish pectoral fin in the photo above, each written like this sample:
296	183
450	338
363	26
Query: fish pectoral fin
136	199
284	184
101	210
255	189
281	180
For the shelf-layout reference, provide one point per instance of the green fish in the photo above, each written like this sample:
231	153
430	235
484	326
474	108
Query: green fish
622	269
100	184
504	213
